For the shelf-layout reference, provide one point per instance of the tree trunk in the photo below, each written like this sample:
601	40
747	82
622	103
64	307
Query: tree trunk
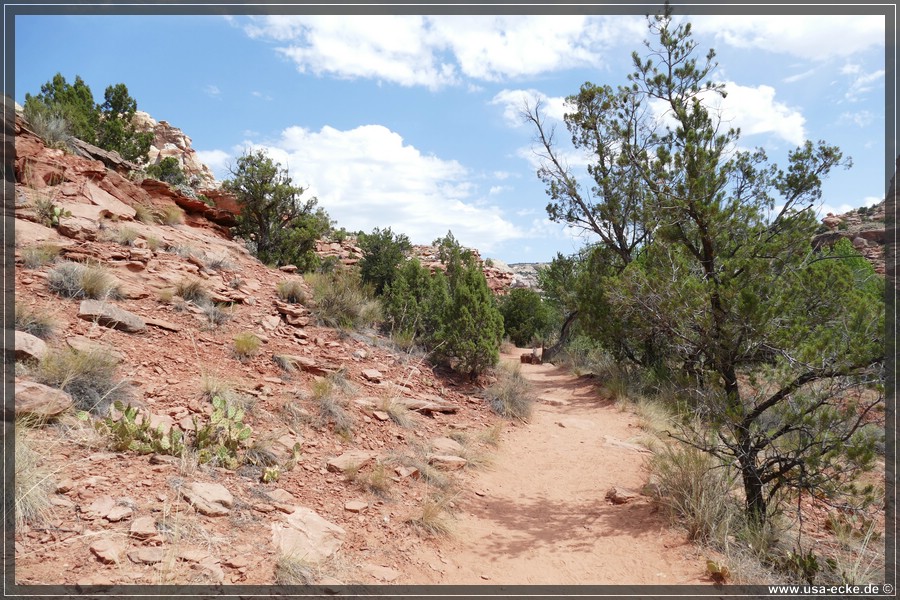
548	353
753	486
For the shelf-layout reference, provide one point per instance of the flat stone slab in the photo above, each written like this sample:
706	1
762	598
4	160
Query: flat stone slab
108	551
111	316
210	499
87	345
447	462
349	460
445	445
355	506
306	536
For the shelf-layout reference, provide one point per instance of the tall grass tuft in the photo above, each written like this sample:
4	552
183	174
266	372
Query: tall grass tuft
511	395
33	484
30	321
342	301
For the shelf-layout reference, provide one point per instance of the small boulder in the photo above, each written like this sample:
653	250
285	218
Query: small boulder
373	375
210	499
447	462
29	346
444	445
39	400
618	495
107	550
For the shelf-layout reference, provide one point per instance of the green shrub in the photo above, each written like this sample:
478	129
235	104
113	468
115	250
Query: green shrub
89	377
469	327
526	317
511	396
405	302
383	252
168	170
246	345
35	257
280	228
33	322
341	300
108	125
292	291
74	280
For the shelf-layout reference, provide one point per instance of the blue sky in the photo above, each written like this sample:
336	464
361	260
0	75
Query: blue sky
411	121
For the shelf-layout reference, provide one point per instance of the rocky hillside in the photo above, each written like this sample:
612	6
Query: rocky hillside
865	228
169	141
355	449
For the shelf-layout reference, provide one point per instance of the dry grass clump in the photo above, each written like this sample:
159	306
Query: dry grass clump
170	215
511	395
291	290
246	345
694	488
331	410
432	520
30	321
215	316
89	377
284	363
219	263
33	483
125	236
398	413
144	213
377	480
35	257
192	290
74	280
293	570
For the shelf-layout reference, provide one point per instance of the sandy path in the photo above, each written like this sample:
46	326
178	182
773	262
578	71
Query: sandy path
538	515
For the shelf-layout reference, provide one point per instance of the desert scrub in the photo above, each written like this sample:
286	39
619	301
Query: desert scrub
291	291
35	257
74	280
192	290
89	377
342	301
246	345
219	263
33	322
511	395
33	483
377	480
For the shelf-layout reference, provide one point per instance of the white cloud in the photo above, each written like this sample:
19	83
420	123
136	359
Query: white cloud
258	94
368	177
813	37
436	51
799	76
212	90
860	119
217	160
864	84
513	102
752	109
